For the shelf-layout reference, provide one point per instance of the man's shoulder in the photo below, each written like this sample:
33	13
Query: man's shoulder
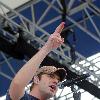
28	97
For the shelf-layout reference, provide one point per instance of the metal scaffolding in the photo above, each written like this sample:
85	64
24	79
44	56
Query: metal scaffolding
31	27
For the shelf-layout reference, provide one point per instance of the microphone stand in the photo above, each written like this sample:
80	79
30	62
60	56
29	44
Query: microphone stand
76	93
73	81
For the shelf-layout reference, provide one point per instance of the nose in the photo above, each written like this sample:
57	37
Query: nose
55	81
55	78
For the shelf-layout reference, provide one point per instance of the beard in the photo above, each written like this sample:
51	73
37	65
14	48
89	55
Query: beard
48	92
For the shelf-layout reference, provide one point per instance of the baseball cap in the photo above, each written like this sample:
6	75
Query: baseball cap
61	72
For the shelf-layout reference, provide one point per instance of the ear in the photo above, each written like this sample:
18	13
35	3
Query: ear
36	79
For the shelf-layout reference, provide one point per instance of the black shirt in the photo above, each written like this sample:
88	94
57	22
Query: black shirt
25	97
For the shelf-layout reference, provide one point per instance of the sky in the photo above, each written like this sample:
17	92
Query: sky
12	4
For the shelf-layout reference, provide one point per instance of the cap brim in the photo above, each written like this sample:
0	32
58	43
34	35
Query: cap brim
61	73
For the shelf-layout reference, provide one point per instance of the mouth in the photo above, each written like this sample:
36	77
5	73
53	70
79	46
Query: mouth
52	88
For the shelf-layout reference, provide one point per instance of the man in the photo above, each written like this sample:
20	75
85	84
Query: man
45	79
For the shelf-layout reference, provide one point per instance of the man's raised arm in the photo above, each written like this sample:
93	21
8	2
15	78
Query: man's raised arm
26	73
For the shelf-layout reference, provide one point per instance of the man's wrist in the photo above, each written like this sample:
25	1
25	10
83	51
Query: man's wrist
47	48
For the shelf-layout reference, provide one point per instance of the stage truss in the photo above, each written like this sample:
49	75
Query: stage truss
32	26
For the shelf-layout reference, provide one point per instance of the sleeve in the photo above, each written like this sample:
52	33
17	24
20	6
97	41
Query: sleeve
25	97
8	96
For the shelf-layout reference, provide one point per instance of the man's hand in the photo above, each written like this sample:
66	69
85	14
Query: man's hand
55	39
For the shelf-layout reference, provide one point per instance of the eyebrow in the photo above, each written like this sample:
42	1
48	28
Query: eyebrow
56	76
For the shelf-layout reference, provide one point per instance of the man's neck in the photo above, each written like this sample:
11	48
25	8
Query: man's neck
36	93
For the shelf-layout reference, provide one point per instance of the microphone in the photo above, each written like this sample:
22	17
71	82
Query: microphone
73	81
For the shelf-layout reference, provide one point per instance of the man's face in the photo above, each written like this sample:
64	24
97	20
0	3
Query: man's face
48	84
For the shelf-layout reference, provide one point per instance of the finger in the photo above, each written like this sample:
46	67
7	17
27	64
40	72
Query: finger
59	39
57	35
60	28
62	39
